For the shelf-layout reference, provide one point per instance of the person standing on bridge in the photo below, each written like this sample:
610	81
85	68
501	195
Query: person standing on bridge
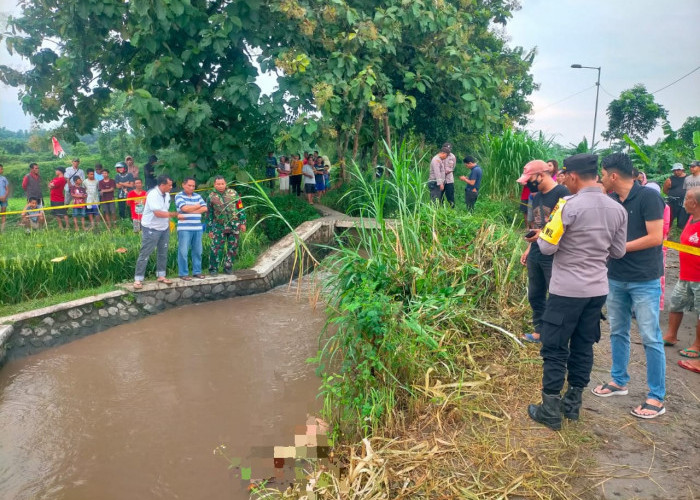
225	219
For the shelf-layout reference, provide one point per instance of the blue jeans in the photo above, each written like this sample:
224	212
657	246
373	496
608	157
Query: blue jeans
186	241
642	297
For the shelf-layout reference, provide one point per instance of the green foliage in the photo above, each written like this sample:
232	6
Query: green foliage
405	295
503	158
181	73
296	211
27	272
634	113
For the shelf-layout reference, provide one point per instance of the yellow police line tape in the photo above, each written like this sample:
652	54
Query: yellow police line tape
682	248
78	205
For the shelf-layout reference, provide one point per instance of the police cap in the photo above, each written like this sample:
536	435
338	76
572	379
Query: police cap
581	163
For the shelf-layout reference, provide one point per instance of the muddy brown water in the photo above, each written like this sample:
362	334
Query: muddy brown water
137	411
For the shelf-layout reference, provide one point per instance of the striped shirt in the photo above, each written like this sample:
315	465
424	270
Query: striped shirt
191	222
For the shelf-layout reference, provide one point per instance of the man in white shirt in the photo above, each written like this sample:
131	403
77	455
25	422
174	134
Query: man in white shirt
155	231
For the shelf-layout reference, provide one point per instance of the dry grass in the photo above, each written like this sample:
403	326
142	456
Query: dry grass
471	440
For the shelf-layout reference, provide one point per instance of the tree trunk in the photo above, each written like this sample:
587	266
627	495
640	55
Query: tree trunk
375	144
358	127
387	138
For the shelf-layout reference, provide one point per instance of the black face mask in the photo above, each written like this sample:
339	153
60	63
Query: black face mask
533	186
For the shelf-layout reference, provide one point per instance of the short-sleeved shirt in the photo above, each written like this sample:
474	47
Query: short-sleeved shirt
297	166
542	205
136	201
79	194
156	201
308	170
642	205
70	175
594	230
56	193
127	177
93	195
191	222
690	264
691	181
475	175
3	186
107	184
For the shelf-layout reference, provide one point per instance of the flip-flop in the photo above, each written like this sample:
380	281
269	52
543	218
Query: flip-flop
614	391
660	410
165	281
668	343
686	353
138	285
528	337
684	364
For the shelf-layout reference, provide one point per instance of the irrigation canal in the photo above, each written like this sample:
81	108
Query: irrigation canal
137	411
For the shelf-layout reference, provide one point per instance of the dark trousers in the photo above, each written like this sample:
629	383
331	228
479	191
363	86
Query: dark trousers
570	327
677	211
295	184
124	211
449	194
470	197
435	192
270	173
539	272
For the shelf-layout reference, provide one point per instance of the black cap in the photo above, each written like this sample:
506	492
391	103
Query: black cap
583	163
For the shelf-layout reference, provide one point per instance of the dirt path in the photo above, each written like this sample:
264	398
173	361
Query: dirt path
654	459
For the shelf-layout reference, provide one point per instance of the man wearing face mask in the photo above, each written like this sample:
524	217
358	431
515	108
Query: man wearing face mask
537	175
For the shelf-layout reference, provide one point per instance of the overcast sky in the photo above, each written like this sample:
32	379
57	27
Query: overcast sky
634	41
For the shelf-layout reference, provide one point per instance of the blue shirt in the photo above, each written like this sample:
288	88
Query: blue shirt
191	222
3	185
475	174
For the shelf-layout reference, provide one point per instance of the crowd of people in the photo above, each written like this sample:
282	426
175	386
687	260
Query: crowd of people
310	170
596	238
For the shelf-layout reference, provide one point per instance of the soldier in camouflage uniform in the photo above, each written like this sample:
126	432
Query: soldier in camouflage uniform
225	221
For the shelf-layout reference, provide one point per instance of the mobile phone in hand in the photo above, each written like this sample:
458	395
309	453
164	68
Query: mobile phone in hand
530	233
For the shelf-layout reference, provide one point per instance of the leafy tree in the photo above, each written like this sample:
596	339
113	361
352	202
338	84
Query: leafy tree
690	126
385	67
182	71
634	113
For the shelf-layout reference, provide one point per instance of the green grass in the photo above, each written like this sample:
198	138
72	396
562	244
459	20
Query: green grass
59	298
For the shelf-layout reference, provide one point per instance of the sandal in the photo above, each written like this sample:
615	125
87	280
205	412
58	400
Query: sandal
185	278
165	281
614	391
687	366
199	276
528	337
689	353
138	285
668	343
658	411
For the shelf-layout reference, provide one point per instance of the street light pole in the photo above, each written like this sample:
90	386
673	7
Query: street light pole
597	93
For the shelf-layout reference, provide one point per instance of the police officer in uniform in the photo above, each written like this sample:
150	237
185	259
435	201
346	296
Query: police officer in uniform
584	231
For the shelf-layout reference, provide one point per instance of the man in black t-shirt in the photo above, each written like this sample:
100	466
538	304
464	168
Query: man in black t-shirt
635	286
537	175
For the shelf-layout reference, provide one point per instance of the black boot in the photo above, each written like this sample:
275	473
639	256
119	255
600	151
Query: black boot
571	402
548	413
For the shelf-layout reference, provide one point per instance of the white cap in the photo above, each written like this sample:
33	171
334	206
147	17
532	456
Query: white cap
677	166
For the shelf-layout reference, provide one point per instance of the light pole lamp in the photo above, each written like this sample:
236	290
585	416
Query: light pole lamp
597	92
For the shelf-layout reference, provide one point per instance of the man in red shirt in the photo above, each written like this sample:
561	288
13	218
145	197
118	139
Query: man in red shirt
57	197
686	293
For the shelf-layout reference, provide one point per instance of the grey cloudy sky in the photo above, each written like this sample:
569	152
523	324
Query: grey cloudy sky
634	41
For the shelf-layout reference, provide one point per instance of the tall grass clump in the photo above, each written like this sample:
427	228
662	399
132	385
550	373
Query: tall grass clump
407	292
503	158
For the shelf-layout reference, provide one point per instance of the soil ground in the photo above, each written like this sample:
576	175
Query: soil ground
646	459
